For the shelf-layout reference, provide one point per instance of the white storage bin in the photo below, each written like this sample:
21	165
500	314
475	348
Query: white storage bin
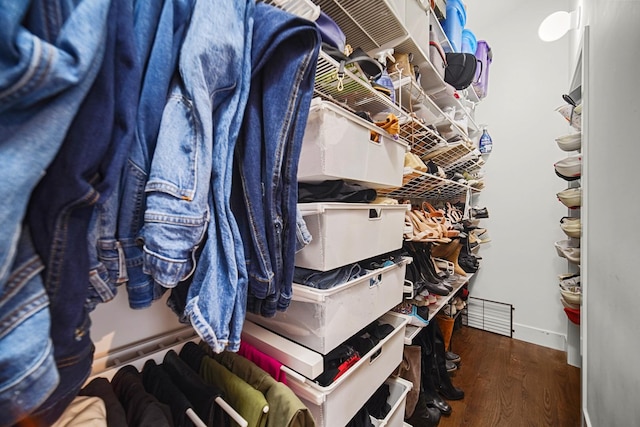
323	319
337	145
344	233
398	390
336	404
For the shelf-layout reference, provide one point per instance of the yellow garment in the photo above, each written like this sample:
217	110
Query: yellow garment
391	124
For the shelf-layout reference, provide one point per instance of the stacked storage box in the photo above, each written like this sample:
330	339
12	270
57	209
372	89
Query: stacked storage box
338	145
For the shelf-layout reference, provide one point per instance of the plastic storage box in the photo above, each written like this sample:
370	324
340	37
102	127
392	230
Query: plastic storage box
337	145
469	42
322	319
398	390
481	79
454	23
344	233
337	403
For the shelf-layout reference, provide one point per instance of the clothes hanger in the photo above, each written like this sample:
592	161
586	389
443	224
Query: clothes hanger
139	359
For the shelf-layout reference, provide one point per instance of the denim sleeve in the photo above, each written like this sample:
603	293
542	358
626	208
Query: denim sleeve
32	68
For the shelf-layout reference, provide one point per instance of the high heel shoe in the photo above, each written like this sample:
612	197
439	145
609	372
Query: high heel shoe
427	231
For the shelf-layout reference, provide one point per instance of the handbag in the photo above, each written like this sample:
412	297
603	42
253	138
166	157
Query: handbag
370	67
461	69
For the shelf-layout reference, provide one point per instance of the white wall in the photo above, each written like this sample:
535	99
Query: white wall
611	374
527	78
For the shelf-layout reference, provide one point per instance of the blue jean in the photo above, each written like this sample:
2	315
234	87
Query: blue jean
49	61
106	255
328	279
190	179
284	54
159	71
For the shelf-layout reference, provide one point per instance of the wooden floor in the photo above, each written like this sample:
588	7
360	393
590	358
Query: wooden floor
512	383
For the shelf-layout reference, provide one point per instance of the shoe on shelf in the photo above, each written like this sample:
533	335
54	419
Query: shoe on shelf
570	142
479	213
571	226
412	161
571	197
569	168
569	250
569	280
411	311
449	310
451	366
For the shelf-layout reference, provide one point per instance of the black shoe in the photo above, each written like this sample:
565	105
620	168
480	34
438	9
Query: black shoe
452	357
451	392
439	368
450	366
423	415
434	400
437	289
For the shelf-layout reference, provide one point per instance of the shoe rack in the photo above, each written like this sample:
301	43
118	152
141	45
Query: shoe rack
574	100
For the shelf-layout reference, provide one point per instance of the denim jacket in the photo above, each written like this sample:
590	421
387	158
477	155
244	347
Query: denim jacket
50	53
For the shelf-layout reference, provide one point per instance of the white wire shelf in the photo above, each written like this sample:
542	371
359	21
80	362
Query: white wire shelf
352	91
375	28
448	156
471	166
421	138
420	185
411	95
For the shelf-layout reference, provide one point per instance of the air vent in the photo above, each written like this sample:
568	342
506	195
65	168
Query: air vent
491	316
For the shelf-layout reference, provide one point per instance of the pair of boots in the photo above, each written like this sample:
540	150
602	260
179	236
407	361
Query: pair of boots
424	268
417	411
436	383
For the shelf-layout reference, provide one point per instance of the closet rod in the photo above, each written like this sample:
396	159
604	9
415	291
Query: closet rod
157	356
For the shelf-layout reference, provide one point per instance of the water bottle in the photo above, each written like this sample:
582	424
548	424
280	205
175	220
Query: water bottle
486	144
385	80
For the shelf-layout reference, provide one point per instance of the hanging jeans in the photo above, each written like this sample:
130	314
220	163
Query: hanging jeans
190	177
50	56
86	168
161	66
284	55
106	256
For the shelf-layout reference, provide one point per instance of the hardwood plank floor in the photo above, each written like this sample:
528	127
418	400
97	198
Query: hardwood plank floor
512	383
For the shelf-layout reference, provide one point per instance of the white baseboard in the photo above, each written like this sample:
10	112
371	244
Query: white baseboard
541	337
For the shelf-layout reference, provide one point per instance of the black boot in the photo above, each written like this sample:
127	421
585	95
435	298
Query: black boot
424	416
440	374
429	390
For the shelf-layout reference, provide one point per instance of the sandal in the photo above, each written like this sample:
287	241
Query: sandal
426	232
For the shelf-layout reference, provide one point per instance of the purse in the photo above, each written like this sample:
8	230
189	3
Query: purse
461	69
